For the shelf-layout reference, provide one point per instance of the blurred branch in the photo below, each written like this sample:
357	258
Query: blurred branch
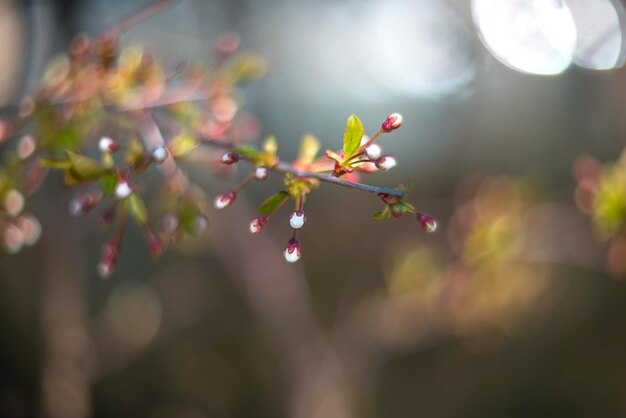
151	9
288	168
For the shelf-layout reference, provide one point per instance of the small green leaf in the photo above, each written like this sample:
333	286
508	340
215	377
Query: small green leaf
137	208
134	153
82	168
270	145
273	202
309	147
55	163
352	136
108	183
384	214
247	151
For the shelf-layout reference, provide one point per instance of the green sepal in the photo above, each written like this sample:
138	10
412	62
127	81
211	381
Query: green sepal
137	208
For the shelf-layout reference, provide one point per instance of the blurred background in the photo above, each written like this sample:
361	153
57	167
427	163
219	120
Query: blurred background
515	308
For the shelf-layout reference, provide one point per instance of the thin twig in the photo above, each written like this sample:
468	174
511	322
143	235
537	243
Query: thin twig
150	10
287	168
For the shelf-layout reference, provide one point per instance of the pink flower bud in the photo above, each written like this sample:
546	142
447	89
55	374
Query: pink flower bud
297	219
108	145
12	238
159	155
261	173
373	151
13	202
257	224
169	224
80	205
30	227
230	158
228	42
108	258
427	222
26	147
224	200
393	121
386	163
292	251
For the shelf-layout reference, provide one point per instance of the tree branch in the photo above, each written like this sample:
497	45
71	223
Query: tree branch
287	168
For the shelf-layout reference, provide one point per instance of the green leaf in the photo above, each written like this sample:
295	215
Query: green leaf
134	152
247	151
55	163
108	183
273	202
352	136
137	208
82	168
379	215
383	214
309	147
270	145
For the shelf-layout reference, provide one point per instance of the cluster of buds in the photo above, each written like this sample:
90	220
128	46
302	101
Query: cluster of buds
98	77
95	82
359	153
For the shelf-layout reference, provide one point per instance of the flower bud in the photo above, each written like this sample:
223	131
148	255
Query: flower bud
224	200
230	158
123	189
6	130
227	43
261	173
108	145
393	121
373	151
159	155
200	223
257	224
297	219
13	202
386	163
168	224
427	222
82	204
292	251
26	147
12	238
30	227
108	258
